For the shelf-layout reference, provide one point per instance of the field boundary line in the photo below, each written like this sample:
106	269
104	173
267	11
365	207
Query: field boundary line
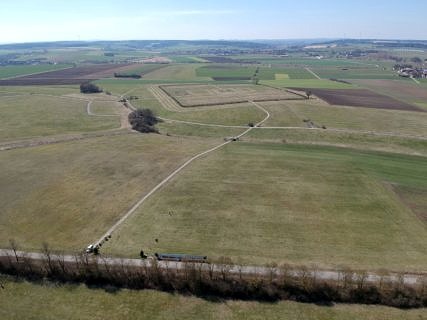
415	80
313	73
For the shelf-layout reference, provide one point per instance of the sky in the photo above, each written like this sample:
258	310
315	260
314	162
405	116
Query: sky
48	20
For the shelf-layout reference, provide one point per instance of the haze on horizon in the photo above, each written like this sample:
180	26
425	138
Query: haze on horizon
48	20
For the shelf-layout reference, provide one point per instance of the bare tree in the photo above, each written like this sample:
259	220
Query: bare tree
14	247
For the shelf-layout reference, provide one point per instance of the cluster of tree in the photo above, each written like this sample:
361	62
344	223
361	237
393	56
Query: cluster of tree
143	120
127	75
278	283
417	60
88	87
398	66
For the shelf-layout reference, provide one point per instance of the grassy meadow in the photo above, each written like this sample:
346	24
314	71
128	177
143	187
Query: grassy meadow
25	301
67	194
261	203
32	116
186	72
15	71
292	113
307	83
353	140
345	196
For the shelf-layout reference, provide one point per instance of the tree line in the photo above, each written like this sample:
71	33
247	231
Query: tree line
202	280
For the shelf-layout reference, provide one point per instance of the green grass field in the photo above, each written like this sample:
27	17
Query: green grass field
183	72
106	108
143	69
261	203
355	73
67	194
305	197
226	71
239	115
292	113
361	141
307	83
48	90
264	73
24	301
38	116
14	71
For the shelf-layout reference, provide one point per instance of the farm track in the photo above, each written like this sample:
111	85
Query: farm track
332	275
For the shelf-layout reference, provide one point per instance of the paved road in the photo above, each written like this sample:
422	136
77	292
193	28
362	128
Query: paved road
408	278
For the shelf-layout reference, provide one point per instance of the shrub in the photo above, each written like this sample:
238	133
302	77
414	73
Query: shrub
143	120
89	88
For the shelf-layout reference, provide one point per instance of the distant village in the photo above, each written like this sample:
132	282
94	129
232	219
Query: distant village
408	71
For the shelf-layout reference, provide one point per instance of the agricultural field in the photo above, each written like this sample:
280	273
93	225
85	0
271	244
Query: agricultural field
76	75
15	71
221	72
293	114
339	138
404	90
307	83
361	72
181	72
38	115
336	180
360	98
203	95
22	300
141	69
